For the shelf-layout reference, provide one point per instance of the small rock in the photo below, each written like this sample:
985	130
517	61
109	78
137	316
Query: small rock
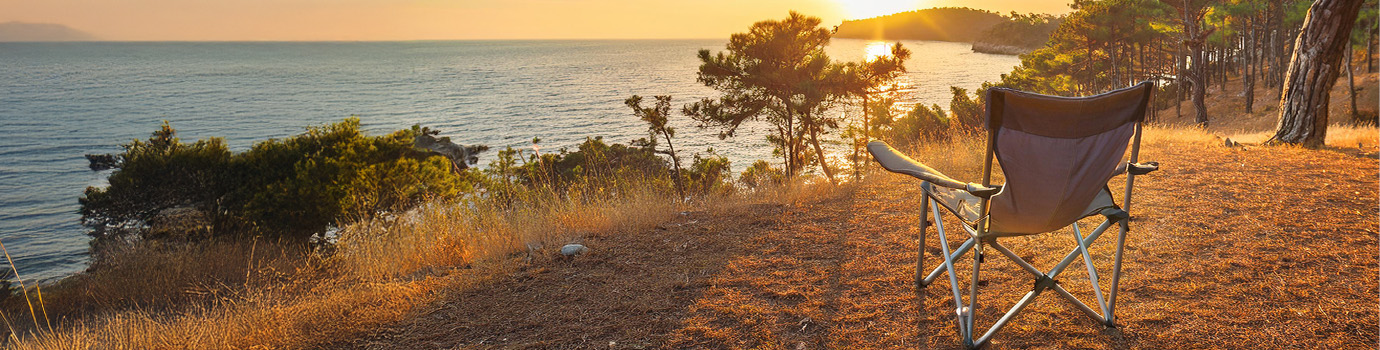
574	249
101	162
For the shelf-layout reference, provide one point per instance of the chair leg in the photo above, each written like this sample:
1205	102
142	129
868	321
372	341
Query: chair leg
1116	272
920	281
1043	281
1092	271
973	296
962	249
963	329
966	313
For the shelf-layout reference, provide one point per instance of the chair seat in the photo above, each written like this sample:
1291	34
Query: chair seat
967	207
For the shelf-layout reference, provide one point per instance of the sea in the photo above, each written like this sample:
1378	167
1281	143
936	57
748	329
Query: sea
61	101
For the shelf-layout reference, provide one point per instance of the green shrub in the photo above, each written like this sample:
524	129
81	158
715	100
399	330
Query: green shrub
709	175
967	110
292	188
762	175
156	175
921	124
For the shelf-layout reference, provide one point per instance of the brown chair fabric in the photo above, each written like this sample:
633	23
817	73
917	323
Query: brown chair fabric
1057	154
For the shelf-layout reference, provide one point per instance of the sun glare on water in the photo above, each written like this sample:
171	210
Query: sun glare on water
860	9
875	50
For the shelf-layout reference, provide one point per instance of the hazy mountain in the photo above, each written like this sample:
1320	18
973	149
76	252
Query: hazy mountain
942	24
18	31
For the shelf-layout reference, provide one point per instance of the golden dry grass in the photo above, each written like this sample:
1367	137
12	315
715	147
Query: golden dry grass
1268	247
441	235
201	274
1227	110
382	271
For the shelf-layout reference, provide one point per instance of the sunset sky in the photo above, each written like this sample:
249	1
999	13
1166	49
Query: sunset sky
453	19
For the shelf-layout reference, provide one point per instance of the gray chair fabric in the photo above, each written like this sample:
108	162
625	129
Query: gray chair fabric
1057	154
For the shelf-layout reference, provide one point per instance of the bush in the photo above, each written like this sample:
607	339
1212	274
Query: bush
762	175
709	175
156	175
967	110
921	124
594	167
293	188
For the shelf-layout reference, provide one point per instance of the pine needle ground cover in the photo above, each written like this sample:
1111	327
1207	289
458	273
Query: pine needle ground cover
1232	247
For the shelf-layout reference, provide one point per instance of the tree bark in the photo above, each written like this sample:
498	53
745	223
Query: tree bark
819	153
1313	70
1182	80
867	116
1370	50
1248	71
1276	44
680	185
1351	82
1194	39
1223	65
789	145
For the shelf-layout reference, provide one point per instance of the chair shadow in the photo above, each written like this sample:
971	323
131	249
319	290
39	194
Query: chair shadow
632	293
923	327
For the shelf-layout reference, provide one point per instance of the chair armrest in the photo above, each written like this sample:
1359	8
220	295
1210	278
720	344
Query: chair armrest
1137	168
1143	168
893	161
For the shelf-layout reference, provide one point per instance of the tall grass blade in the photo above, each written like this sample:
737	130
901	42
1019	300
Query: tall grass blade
22	288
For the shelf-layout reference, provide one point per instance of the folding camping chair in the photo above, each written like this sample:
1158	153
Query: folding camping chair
1057	154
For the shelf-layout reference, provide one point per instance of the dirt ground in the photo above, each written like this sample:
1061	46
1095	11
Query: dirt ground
1227	108
1264	247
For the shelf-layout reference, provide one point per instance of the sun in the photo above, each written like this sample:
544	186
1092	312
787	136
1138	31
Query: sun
875	50
859	9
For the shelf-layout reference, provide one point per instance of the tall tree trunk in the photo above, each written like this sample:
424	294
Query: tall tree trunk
1194	38
819	152
867	135
1276	44
1351	83
1182	80
867	116
788	147
1370	50
1199	95
1248	71
1312	71
1197	74
680	185
1223	64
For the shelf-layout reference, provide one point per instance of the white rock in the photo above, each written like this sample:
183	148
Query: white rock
574	249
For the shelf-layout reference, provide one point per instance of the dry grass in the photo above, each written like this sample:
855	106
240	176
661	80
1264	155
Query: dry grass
1231	248
449	235
252	294
1227	110
383	271
1229	120
201	274
1364	139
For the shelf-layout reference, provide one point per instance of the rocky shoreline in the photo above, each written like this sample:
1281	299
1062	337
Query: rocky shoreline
985	47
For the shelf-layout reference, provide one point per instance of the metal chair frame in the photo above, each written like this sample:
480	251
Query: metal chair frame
1103	313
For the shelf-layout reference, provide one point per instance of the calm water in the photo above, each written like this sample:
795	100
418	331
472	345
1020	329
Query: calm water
59	101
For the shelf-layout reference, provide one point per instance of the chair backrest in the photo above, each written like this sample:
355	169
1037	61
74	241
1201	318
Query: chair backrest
1057	153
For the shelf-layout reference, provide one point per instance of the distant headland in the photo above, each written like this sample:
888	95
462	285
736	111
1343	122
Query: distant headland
988	31
22	32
